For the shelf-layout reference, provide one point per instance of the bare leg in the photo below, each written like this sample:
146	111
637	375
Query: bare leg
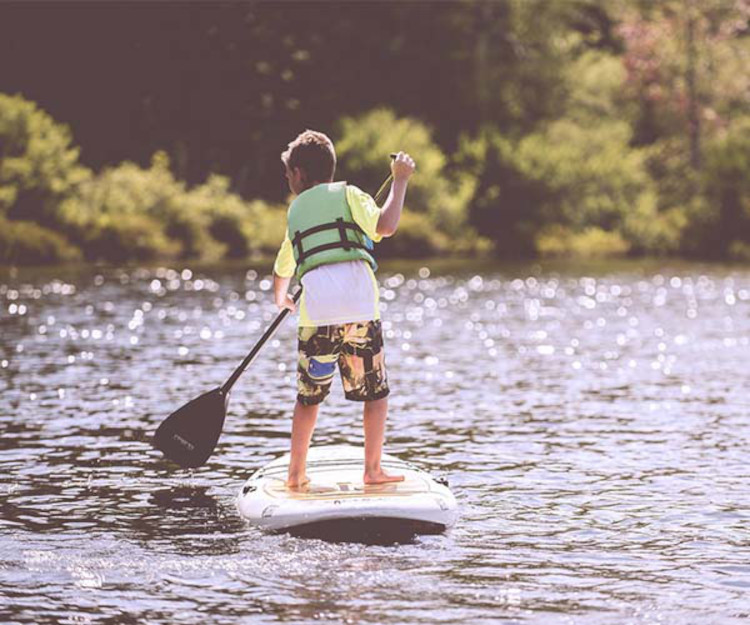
303	424
374	422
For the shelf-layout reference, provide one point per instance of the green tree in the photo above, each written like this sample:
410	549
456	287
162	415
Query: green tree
573	183
38	164
506	203
244	228
130	212
720	224
686	62
363	144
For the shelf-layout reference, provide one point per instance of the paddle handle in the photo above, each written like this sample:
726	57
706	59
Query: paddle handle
270	331
382	189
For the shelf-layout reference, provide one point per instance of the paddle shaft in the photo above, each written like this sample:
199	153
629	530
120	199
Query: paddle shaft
270	331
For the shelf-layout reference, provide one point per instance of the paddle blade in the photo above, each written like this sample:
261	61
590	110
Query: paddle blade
189	435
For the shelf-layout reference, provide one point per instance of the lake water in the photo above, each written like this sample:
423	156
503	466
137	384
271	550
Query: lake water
593	422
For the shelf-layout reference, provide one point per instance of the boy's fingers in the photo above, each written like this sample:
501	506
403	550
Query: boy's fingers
402	160
408	160
288	304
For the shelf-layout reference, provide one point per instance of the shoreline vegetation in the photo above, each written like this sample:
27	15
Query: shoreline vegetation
623	130
569	192
430	265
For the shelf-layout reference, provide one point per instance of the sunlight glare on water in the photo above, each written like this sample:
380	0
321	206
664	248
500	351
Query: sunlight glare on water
592	423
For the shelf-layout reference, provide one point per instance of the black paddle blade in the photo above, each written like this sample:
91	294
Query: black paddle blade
189	435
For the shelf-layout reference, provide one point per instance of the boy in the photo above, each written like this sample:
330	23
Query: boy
330	230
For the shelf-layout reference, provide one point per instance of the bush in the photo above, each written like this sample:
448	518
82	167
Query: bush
592	175
117	239
363	146
591	242
650	230
158	216
38	165
147	208
567	174
739	250
27	243
268	226
243	227
416	238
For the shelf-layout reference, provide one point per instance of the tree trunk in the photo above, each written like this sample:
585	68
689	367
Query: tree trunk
693	112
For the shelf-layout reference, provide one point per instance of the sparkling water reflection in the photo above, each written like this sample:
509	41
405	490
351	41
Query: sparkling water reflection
592	422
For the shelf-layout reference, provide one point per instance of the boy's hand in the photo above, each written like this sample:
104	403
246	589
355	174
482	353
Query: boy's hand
288	303
402	167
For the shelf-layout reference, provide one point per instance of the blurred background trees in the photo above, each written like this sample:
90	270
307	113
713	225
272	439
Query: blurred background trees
575	127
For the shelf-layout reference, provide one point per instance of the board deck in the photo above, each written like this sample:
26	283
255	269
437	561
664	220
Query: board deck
336	493
344	485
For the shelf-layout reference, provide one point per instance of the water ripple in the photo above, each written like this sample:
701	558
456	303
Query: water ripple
591	421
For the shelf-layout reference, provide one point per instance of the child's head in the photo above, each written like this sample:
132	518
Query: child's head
309	160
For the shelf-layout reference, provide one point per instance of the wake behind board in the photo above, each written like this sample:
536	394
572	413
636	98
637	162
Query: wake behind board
337	504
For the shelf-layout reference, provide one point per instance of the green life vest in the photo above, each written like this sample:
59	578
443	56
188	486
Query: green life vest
323	231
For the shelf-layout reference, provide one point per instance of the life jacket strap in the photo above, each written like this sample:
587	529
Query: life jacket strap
340	225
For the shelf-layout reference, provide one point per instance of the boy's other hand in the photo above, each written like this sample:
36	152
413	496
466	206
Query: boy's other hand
288	303
402	167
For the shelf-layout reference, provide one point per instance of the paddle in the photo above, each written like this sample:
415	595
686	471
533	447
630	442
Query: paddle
189	435
379	195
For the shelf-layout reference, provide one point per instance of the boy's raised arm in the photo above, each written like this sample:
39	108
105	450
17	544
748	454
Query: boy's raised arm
402	168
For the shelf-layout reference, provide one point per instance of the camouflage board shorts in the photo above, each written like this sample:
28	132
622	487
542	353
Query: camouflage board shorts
357	348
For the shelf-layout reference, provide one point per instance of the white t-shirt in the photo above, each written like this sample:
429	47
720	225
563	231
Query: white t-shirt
340	293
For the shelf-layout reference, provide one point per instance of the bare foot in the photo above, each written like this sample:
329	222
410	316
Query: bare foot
381	477
297	483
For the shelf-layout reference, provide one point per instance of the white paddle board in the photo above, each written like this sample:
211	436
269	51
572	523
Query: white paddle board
336	501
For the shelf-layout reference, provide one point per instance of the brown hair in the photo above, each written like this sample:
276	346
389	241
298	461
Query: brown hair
313	153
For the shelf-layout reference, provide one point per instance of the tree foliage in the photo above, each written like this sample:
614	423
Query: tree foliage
724	224
28	243
363	146
128	212
38	163
575	127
